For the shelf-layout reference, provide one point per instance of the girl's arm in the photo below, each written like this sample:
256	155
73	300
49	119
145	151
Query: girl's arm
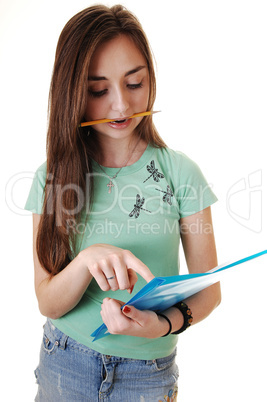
61	293
58	294
200	252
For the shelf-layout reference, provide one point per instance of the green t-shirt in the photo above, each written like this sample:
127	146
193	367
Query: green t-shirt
141	214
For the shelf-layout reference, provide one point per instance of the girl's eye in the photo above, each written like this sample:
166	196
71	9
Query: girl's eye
135	86
98	94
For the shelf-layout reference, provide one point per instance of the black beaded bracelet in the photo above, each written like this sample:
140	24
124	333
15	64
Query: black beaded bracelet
170	324
187	314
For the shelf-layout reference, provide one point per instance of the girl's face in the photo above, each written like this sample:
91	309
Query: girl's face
118	86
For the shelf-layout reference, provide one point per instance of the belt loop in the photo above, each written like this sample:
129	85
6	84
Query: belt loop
63	342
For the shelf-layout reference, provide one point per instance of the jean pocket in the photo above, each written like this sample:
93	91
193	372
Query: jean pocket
168	371
50	346
165	362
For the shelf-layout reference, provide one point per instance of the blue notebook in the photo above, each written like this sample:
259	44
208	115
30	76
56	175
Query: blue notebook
163	292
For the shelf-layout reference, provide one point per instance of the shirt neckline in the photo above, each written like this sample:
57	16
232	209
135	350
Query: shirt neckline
127	170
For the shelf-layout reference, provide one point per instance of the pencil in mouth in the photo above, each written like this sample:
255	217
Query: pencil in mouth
117	121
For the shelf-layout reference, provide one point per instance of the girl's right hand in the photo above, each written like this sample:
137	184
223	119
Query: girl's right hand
113	267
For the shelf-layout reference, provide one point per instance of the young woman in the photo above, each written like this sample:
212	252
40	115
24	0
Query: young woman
109	208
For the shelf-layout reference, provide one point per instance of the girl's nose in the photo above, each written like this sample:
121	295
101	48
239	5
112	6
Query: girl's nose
120	102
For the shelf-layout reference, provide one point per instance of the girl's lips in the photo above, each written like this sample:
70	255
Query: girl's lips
120	123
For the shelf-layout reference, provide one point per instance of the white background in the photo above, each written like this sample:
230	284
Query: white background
212	91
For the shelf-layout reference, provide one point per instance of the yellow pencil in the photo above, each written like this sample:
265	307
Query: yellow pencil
91	123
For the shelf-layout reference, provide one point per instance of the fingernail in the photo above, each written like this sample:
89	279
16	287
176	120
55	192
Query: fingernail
126	309
130	289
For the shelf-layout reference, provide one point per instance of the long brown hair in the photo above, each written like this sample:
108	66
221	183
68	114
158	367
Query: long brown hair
69	149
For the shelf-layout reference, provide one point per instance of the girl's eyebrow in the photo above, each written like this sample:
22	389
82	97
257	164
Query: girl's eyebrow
135	70
98	78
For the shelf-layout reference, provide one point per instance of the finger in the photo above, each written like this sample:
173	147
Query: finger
111	310
101	279
112	280
132	279
121	272
113	301
138	266
134	314
103	271
113	317
110	275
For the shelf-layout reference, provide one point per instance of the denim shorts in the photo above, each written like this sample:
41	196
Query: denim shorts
70	371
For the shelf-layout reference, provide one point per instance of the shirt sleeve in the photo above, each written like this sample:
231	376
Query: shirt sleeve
194	193
35	198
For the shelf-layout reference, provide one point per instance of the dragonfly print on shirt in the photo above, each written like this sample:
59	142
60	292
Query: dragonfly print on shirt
138	206
168	194
154	172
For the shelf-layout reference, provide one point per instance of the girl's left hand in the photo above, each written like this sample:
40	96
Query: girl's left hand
130	321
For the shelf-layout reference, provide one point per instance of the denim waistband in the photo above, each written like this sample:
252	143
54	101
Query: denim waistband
62	340
55	335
